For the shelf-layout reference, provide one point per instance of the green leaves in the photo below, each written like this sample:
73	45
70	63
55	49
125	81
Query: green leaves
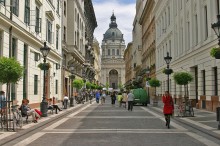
10	70
182	78
78	83
154	82
214	51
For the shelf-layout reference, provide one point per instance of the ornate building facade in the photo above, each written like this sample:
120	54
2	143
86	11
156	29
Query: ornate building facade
113	65
22	34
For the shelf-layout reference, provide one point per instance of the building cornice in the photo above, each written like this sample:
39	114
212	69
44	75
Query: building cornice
29	37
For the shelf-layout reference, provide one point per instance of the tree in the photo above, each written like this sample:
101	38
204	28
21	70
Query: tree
11	71
107	86
183	78
78	83
154	83
88	85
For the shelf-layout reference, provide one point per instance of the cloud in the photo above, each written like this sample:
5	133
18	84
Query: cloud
124	11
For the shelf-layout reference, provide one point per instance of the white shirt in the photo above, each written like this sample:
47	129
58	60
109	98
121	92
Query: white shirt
66	98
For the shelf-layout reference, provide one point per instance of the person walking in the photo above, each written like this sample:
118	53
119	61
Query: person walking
97	96
130	100
113	98
124	98
119	97
65	101
168	108
103	96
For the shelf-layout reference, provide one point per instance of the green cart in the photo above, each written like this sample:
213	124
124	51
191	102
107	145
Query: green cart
140	96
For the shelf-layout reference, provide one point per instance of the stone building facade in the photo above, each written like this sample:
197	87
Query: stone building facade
129	73
23	30
97	61
183	28
148	52
113	65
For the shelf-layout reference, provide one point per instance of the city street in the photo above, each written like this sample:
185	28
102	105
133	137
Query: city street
107	125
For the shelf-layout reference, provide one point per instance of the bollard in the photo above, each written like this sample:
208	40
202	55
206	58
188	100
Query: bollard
218	116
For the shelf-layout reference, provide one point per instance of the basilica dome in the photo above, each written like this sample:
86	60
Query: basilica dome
113	33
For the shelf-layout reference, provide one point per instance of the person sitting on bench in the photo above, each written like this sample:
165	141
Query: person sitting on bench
54	106
26	110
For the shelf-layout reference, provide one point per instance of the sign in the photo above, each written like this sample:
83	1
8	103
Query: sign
147	84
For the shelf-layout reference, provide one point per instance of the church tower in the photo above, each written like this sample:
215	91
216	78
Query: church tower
113	65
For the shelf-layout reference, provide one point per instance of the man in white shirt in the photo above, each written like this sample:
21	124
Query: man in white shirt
130	100
65	101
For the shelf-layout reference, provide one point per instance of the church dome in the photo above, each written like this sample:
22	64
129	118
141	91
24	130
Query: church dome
113	33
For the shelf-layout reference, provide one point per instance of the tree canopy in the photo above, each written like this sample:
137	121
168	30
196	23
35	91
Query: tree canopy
78	83
11	70
154	82
182	78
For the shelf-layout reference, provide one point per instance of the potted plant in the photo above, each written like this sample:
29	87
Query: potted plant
167	71
215	52
11	71
154	83
183	78
44	66
78	83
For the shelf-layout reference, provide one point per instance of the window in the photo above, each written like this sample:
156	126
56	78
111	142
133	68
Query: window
15	9
57	39
168	15
217	4
35	84
49	31
56	92
113	51
108	51
206	22
170	47
188	37
58	6
2	2
14	48
203	84
25	72
196	30
38	21
64	9
113	34
117	51
27	12
215	80
64	33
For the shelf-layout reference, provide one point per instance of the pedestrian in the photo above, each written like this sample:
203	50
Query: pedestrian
119	97
97	96
103	96
130	100
124	98
113	98
65	101
168	107
2	101
53	106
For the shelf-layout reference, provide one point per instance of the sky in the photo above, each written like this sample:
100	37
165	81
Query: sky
124	11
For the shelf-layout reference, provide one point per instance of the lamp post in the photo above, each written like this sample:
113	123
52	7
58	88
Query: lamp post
148	94
71	69
43	105
168	60
216	28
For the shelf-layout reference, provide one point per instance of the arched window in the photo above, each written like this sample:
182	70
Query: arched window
113	51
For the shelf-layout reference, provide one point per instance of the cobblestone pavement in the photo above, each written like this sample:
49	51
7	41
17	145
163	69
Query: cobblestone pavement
106	125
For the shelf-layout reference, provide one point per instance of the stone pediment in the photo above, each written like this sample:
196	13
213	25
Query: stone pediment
115	60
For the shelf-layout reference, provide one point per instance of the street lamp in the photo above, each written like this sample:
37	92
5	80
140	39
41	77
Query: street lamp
71	69
216	28
148	73
43	105
168	60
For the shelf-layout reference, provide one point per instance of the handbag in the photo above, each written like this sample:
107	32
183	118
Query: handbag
39	112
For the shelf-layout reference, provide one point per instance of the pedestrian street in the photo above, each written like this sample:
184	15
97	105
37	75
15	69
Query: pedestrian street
106	125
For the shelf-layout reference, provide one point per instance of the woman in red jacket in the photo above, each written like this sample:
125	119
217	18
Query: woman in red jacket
168	107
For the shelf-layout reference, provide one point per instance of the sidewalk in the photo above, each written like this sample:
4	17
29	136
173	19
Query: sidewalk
43	119
202	118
